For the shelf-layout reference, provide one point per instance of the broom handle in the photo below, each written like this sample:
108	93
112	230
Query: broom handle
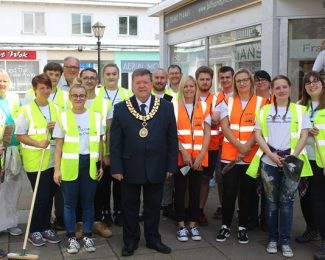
33	200
320	154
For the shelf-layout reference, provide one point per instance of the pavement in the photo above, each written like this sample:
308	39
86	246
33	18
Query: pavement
206	249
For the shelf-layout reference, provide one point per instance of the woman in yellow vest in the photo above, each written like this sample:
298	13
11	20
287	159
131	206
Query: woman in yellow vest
313	97
281	129
34	126
78	134
237	116
193	127
12	182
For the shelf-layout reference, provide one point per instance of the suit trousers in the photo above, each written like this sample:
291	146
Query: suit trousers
152	196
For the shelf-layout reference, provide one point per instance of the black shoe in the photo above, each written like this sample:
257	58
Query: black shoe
308	236
160	247
126	251
218	213
169	212
107	219
118	218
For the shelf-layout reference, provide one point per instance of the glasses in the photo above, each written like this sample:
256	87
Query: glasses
71	67
76	97
243	81
260	81
89	78
314	82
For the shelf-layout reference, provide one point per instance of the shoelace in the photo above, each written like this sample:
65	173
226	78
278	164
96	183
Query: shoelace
50	233
73	243
286	248
37	235
195	231
88	242
183	232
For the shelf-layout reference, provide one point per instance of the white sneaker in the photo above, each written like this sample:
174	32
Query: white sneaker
74	246
182	234
195	234
15	231
287	251
272	247
89	244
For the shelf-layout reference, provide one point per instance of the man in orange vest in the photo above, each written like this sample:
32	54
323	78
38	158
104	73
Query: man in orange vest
225	76
204	76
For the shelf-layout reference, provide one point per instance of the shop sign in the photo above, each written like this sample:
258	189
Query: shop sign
202	10
128	66
17	55
304	49
248	52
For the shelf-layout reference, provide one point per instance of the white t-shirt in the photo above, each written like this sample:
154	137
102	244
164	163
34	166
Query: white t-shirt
22	129
115	97
279	130
189	109
222	107
319	63
310	146
83	127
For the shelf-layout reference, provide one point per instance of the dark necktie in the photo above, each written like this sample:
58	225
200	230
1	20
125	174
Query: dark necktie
143	110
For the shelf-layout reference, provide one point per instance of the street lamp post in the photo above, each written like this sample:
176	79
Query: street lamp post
98	30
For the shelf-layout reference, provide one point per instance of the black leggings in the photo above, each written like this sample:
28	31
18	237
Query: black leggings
318	197
307	207
236	182
192	180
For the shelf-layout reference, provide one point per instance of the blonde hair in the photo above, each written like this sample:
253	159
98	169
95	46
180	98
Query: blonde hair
5	73
76	84
181	87
251	79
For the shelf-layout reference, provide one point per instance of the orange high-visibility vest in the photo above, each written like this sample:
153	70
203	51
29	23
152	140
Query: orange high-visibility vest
191	134
212	101
242	123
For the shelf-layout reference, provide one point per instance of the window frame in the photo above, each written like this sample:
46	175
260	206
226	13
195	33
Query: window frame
128	25
81	17
34	31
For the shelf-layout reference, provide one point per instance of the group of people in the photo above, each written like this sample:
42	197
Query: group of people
166	139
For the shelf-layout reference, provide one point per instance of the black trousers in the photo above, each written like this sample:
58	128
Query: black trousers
44	200
235	182
307	207
152	196
318	197
192	180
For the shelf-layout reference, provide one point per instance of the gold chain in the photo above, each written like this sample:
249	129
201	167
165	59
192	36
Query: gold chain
139	116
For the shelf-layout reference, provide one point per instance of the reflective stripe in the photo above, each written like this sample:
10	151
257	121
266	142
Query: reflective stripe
70	156
197	147
242	128
37	131
94	139
204	106
230	105
259	153
258	102
321	142
184	132
198	132
33	147
94	155
175	104
294	135
214	132
64	121
187	146
71	139
320	126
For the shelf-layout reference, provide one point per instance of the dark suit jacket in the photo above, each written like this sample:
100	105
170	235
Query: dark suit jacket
147	159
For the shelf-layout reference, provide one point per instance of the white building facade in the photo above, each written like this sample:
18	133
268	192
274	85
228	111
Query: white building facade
279	36
36	32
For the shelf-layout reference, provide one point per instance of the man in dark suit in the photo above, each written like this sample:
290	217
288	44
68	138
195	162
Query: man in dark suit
144	147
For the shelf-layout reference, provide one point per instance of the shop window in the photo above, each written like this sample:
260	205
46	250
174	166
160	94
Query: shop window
305	38
81	24
128	25
189	55
33	23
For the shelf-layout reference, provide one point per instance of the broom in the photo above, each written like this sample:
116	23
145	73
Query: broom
23	254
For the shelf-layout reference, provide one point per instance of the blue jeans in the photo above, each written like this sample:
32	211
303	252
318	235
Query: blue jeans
85	187
280	193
